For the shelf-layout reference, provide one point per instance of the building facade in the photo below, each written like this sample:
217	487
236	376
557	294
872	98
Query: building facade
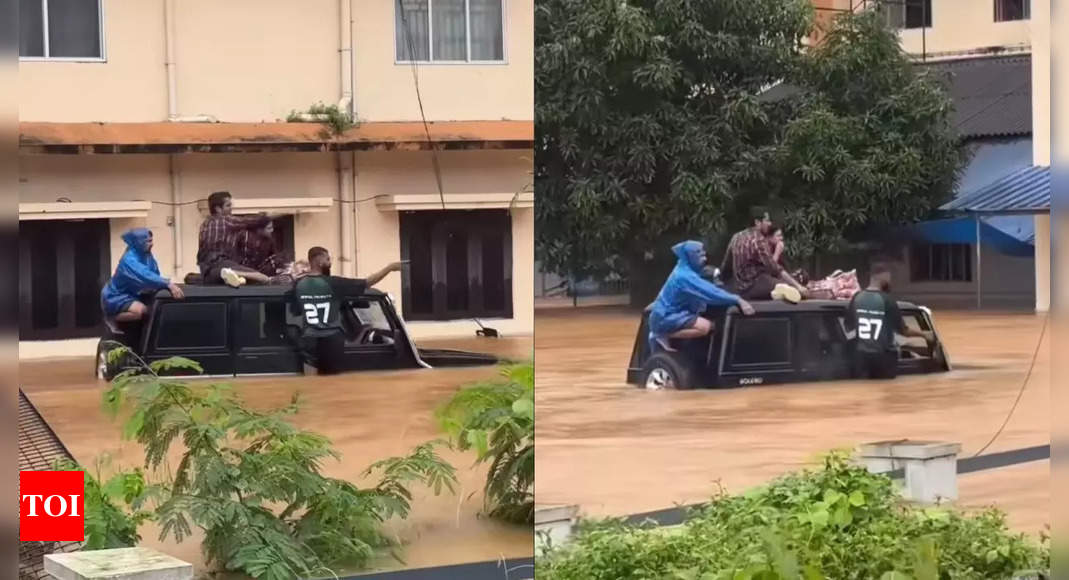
134	111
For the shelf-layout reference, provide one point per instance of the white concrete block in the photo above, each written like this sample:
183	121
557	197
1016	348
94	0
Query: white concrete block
930	467
118	564
553	524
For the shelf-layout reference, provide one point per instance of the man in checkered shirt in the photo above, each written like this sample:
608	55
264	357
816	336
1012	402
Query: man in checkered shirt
217	254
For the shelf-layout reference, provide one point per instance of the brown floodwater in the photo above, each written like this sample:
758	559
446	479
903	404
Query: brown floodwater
614	449
368	416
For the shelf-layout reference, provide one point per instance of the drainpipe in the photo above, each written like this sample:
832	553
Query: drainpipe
176	216
345	162
169	63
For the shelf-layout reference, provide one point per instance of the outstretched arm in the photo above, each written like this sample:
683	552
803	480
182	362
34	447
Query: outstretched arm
378	276
713	295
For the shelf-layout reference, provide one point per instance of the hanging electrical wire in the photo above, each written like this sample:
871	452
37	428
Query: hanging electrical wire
419	98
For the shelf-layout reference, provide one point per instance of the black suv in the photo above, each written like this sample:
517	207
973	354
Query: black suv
252	331
779	343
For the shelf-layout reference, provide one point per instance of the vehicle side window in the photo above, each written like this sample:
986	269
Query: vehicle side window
191	325
760	341
366	315
262	324
916	345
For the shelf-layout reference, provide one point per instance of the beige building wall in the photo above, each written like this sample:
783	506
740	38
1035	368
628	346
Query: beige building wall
385	90
966	25
258	60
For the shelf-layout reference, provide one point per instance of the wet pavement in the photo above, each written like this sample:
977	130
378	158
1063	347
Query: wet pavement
368	416
615	449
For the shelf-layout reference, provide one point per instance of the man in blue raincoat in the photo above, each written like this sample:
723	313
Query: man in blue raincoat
137	274
684	297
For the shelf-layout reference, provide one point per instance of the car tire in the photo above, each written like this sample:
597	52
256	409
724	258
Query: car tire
665	372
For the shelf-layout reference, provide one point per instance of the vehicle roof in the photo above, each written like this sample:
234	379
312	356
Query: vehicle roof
812	305
251	291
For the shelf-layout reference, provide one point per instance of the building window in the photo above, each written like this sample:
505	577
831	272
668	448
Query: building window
450	30
61	29
906	14
941	263
461	264
1008	10
62	267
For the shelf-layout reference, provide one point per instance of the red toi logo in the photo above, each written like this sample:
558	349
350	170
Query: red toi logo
52	506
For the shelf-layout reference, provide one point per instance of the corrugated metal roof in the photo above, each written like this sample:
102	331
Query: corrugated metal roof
1024	190
992	95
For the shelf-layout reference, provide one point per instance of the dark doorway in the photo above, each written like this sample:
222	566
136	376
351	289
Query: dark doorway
461	264
62	267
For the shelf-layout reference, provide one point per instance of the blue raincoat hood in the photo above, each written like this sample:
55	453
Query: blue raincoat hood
688	253
137	240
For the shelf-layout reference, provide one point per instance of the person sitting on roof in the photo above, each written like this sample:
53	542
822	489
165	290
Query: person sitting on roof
685	296
216	254
256	249
137	274
755	274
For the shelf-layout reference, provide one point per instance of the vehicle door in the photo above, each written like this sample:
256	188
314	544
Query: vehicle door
261	343
757	349
199	330
373	337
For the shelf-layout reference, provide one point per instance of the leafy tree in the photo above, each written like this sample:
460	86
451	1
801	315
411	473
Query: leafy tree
837	522
252	482
871	141
496	419
647	120
652	126
114	508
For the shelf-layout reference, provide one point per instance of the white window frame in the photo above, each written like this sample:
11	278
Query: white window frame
46	58
467	22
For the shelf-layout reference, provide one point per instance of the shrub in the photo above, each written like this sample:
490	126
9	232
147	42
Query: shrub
838	522
496	419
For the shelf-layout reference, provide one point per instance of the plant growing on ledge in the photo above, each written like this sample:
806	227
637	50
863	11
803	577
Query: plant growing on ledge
252	482
496	419
336	121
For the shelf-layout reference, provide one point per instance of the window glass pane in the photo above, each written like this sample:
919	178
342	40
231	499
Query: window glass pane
918	11
415	45
450	30
487	36
761	341
31	28
263	324
74	28
192	325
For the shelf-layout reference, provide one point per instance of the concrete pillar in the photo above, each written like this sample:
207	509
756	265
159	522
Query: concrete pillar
1042	226
931	467
118	564
553	524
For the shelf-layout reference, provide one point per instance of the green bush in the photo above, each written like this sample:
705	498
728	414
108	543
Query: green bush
840	522
252	482
496	419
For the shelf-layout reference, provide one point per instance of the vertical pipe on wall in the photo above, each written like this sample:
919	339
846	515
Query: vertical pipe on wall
176	215
172	83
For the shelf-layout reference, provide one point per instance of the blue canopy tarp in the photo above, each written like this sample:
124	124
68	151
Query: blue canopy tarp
963	231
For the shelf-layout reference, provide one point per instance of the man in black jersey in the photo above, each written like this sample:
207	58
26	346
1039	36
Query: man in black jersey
318	300
874	316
